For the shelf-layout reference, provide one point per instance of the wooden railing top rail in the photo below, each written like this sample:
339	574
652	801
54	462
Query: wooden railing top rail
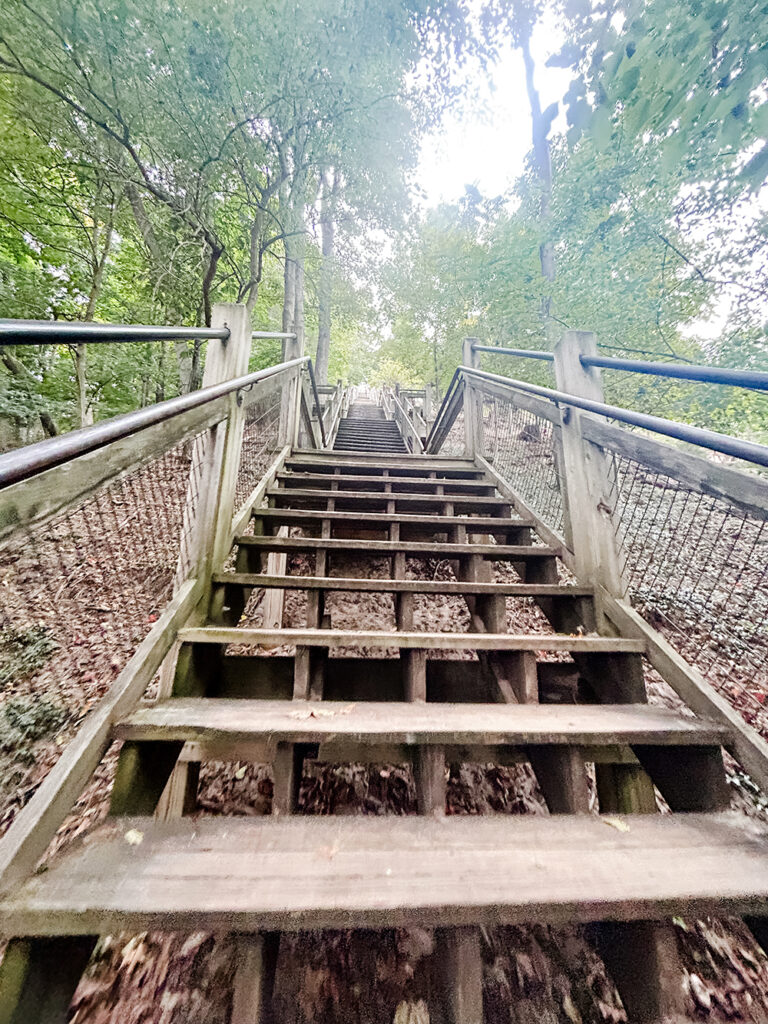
23	463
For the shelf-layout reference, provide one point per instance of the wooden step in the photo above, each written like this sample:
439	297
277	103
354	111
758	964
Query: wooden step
429	462
435	523
412	641
415	549
212	720
475	502
343	467
376	483
246	875
365	585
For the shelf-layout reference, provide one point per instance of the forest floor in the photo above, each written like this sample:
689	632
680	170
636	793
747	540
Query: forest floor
534	974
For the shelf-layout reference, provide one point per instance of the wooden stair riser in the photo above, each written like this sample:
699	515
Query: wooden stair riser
205	670
566	612
375	526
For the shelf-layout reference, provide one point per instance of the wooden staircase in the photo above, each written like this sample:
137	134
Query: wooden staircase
366	429
559	700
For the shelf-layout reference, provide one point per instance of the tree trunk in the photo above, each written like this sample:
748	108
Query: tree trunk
256	261
325	284
289	285
20	372
540	131
80	359
298	320
185	361
210	273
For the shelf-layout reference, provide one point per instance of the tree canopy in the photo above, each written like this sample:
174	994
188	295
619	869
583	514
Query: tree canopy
159	157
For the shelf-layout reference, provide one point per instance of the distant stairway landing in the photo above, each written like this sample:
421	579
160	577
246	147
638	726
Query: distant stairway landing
365	429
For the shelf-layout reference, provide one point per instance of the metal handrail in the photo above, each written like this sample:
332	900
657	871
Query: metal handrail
405	419
446	405
749	451
23	463
317	401
71	332
527	353
753	379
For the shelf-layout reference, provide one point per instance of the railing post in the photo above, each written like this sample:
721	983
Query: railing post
589	503
472	402
216	457
290	406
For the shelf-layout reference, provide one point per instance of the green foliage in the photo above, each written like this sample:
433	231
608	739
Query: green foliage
158	157
22	652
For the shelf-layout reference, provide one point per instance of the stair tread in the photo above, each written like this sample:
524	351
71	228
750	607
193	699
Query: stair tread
412	547
303	872
351	583
472	523
439	461
383	481
415	641
416	723
322	492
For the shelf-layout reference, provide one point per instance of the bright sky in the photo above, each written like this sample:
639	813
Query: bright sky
484	141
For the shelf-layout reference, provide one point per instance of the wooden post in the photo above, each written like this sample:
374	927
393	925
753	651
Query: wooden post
429	404
39	976
588	503
290	420
290	407
472	403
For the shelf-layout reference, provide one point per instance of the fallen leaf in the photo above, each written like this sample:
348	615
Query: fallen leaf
617	823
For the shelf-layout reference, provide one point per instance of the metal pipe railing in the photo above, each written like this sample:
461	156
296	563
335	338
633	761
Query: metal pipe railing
271	334
525	353
34	458
66	332
750	451
317	400
754	379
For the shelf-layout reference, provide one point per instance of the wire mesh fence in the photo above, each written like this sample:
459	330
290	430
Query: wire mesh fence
261	441
696	566
454	445
523	449
78	594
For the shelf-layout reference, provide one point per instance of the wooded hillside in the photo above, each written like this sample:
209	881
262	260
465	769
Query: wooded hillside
158	157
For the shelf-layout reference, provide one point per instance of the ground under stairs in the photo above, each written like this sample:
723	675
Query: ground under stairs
365	429
559	698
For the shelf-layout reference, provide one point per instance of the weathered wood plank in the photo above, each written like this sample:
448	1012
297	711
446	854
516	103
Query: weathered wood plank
292	874
746	745
432	641
426	549
373	483
744	491
320	494
474	524
363	584
211	719
63	487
